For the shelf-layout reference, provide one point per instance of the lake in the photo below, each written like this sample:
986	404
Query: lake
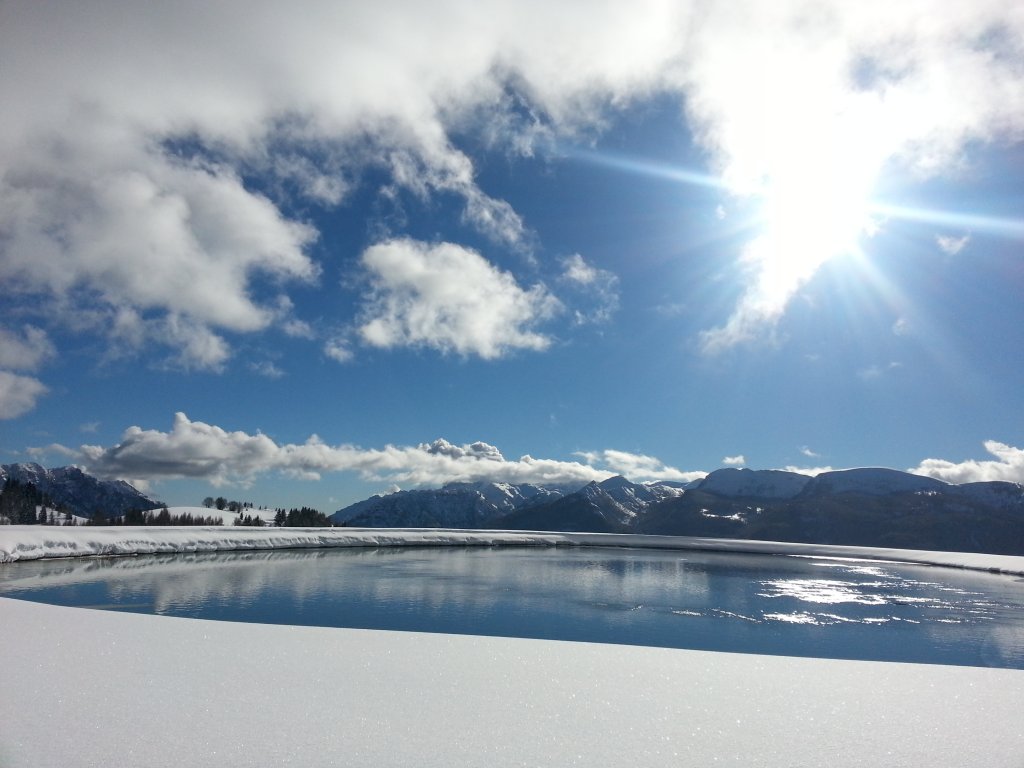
783	605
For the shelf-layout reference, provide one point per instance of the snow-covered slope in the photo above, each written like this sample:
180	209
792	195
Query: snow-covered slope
456	505
994	493
32	542
871	481
760	483
636	497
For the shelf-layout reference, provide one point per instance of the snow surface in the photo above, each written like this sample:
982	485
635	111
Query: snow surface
31	542
93	688
875	481
763	483
87	688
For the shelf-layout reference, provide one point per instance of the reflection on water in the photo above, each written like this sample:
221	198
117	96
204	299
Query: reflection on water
714	601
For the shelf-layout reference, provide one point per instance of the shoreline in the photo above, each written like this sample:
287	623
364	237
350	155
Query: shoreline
88	687
31	542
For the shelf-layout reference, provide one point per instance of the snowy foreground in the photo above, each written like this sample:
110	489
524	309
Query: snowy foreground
83	687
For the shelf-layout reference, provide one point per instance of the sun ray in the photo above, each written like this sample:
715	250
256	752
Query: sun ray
1003	227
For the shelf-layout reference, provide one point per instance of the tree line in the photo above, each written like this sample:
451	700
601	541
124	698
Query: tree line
24	504
304	517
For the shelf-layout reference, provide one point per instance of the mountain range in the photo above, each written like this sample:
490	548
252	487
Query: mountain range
72	490
866	507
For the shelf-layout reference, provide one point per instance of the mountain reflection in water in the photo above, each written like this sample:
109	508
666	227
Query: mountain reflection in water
710	601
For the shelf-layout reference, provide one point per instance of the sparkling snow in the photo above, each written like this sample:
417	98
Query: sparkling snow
93	688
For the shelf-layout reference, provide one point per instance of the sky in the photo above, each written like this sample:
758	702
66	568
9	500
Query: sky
300	255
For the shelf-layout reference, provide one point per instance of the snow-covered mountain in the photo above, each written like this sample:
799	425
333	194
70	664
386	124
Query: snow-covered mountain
456	505
760	483
871	481
613	505
868	507
78	492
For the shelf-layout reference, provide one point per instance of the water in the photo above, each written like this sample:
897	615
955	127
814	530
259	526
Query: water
712	601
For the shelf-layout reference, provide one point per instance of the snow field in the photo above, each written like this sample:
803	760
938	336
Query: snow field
93	688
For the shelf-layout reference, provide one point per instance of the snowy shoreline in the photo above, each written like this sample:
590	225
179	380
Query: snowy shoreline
159	691
32	542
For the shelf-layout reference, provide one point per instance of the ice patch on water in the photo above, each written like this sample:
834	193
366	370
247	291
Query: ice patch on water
793	618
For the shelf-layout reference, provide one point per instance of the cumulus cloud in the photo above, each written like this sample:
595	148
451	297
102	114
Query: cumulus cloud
806	451
597	289
734	461
193	449
18	394
125	187
451	299
637	466
26	350
266	368
338	350
1007	465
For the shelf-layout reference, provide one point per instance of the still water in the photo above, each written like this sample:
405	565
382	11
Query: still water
713	601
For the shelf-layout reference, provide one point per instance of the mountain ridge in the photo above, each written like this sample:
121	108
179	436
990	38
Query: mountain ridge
868	506
78	492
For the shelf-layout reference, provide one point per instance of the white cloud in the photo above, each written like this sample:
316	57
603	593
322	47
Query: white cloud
637	466
298	329
810	471
43	452
952	245
24	351
598	289
821	98
734	461
267	369
338	350
1008	466
809	453
18	394
134	230
193	449
449	298
104	204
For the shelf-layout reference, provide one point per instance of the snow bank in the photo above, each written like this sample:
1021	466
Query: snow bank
31	542
95	688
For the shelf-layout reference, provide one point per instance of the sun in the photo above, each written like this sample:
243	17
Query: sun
814	205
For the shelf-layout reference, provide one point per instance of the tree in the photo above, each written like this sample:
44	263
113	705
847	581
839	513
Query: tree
221	502
208	502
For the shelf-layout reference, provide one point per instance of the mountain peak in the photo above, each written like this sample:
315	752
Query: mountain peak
872	481
765	483
78	491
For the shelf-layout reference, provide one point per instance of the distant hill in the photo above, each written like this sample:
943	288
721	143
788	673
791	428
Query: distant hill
867	507
72	490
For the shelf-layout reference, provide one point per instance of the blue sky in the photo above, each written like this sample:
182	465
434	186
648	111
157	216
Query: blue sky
298	256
